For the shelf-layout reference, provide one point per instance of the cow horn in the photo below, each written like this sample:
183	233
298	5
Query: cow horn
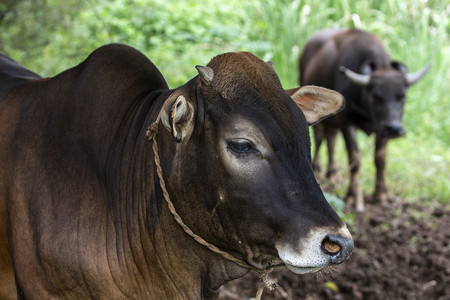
359	79
412	78
206	74
270	64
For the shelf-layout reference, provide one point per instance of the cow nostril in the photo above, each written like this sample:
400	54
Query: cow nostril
330	247
338	247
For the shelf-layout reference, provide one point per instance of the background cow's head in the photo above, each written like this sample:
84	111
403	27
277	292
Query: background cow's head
247	142
385	90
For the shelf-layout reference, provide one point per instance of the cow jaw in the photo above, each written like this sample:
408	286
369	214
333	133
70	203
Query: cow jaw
308	254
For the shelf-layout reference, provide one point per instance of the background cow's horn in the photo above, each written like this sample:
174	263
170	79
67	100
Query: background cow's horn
412	78
206	74
359	79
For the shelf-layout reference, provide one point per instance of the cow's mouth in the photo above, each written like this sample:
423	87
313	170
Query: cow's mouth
265	262
392	131
390	136
303	270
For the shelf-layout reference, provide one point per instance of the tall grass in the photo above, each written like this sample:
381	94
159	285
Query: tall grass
414	32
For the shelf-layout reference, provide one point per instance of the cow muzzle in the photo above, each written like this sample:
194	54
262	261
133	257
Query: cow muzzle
393	130
317	250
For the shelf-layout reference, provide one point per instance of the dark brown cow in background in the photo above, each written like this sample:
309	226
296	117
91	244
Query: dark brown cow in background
355	63
82	212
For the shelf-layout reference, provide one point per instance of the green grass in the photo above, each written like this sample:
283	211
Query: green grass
414	171
49	36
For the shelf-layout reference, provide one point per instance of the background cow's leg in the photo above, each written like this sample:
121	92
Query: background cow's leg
381	192
354	192
331	142
318	137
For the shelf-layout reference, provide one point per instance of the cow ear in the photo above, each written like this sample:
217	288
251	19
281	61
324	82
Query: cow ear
178	117
317	103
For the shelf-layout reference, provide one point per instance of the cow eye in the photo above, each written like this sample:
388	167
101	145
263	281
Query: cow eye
241	146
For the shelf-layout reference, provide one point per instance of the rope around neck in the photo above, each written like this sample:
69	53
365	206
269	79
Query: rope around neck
152	133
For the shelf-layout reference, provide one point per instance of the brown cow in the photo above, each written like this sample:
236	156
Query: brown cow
81	207
354	63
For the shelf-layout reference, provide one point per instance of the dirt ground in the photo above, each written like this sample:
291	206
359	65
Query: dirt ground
401	252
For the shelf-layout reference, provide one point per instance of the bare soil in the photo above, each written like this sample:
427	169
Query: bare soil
401	252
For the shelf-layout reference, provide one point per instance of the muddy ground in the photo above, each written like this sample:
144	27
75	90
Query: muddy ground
401	252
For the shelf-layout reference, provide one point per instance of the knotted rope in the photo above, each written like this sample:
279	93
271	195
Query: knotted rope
152	133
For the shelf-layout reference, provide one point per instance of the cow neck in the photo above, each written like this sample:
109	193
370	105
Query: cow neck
266	282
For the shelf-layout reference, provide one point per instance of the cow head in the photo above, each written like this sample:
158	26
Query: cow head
241	175
385	91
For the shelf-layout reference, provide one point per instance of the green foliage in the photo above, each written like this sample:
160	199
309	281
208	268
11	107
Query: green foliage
337	203
339	207
175	35
49	36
